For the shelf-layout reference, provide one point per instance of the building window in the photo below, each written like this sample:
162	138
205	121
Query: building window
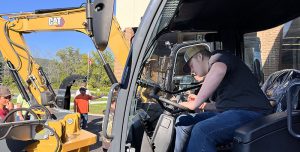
290	48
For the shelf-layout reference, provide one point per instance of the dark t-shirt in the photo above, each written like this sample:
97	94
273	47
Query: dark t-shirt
239	89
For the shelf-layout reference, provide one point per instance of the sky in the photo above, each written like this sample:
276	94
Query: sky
45	44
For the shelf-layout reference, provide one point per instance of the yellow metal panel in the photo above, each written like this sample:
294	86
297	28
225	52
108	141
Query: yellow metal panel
72	138
50	143
118	44
55	21
81	139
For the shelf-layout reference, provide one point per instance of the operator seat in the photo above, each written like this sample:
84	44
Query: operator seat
270	133
276	86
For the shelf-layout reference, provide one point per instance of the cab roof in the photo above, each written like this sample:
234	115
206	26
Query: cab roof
241	15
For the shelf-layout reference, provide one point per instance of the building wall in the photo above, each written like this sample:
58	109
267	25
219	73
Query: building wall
270	49
128	14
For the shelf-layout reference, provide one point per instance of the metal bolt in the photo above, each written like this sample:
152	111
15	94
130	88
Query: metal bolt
70	121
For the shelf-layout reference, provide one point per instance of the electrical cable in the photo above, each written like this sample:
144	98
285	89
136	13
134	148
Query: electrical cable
29	57
18	57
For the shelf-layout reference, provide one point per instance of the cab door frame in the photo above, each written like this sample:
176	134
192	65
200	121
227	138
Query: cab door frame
128	85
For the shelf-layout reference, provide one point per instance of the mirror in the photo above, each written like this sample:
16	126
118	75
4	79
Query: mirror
102	11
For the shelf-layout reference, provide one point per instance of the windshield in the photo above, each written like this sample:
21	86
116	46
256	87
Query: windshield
163	21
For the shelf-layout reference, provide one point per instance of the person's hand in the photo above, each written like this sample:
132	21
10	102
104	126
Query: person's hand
192	97
10	105
202	106
101	95
185	104
21	118
174	99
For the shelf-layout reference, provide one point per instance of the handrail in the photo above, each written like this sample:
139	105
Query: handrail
107	111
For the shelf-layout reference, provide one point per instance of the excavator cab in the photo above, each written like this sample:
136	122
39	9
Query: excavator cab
152	64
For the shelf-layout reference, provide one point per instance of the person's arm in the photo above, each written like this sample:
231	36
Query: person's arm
19	113
96	97
19	105
210	84
88	92
10	106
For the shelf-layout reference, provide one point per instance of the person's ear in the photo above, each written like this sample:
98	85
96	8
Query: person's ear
199	56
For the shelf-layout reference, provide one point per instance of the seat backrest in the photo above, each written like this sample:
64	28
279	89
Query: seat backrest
276	86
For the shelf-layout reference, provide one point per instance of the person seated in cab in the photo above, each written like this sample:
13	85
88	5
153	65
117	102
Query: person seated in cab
206	106
237	95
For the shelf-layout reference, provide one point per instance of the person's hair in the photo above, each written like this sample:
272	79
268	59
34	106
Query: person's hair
82	89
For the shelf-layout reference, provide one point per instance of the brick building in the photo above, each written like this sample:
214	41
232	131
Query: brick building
270	48
280	47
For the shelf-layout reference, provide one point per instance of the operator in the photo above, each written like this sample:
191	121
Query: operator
236	92
206	106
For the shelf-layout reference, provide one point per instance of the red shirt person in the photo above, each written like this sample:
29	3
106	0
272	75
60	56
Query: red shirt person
81	105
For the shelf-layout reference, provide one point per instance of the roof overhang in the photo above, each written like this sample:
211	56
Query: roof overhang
240	15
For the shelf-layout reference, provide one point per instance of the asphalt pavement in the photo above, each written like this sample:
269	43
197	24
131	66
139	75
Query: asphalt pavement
94	126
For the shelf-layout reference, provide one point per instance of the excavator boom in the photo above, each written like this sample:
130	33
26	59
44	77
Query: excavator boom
14	49
61	127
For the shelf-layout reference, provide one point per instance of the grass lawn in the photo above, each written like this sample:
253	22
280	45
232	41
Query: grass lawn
101	99
95	108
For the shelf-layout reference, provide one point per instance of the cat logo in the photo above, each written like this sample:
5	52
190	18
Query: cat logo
56	21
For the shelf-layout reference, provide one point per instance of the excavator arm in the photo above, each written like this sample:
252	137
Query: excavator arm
14	49
62	132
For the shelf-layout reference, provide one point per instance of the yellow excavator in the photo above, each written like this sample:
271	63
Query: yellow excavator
54	128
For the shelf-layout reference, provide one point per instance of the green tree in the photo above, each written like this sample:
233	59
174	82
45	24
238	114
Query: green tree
69	60
98	76
6	76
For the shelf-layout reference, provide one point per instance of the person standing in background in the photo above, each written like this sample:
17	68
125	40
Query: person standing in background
21	103
81	105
